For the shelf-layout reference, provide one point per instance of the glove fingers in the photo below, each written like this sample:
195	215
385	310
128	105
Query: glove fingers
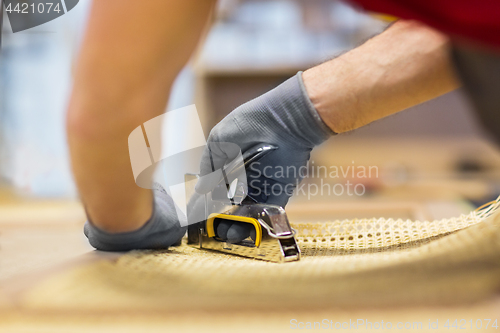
235	232
216	155
162	230
223	228
238	232
213	159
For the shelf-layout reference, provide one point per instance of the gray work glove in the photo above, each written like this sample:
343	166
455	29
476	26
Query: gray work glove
283	117
160	232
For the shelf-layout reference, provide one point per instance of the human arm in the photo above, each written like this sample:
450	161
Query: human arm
130	56
404	66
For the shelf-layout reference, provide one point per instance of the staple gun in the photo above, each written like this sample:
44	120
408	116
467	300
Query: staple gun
273	240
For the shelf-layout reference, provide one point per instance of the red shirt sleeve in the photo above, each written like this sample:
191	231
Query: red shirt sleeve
477	21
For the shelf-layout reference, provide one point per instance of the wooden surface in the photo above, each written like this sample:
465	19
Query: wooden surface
32	251
40	239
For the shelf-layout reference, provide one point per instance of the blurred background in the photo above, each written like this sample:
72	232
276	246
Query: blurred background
434	149
433	160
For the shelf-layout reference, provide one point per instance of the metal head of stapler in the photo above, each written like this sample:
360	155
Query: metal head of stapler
274	238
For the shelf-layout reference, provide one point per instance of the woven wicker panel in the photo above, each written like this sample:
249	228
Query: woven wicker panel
375	233
402	262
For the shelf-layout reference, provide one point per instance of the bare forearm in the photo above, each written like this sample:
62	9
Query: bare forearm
130	57
404	66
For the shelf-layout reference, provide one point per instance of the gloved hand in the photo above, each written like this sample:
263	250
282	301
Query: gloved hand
283	117
161	231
